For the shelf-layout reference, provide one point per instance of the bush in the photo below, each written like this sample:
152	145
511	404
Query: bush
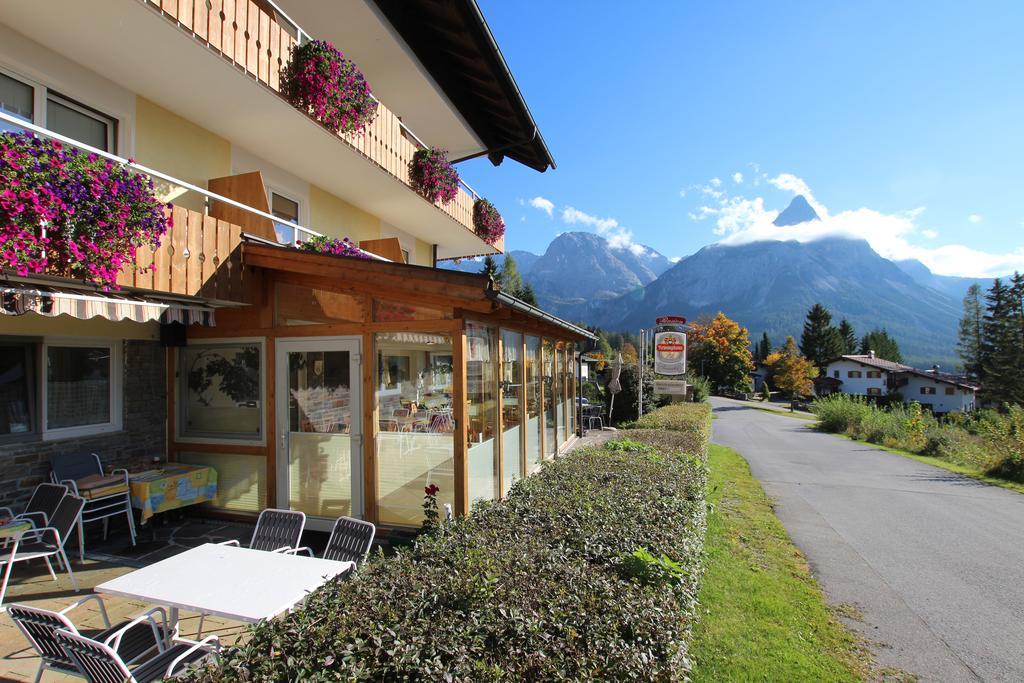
701	387
487	222
332	246
319	80
588	570
677	427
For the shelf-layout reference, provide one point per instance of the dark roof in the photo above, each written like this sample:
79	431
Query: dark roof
452	41
873	362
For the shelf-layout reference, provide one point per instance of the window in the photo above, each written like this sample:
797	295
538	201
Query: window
405	255
482	407
853	374
511	407
874	391
17	384
927	391
80	123
288	209
950	391
221	390
835	373
36	104
874	374
81	388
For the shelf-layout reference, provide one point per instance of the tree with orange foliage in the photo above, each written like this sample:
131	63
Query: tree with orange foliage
790	371
629	354
720	351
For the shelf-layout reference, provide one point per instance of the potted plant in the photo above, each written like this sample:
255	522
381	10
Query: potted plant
319	80
487	222
433	176
71	213
333	246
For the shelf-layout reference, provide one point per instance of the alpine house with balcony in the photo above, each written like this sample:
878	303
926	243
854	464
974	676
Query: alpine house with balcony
219	248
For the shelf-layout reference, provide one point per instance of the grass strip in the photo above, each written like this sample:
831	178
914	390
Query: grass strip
762	615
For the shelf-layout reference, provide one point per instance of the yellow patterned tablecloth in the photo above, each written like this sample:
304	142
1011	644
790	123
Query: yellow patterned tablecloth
173	486
14	528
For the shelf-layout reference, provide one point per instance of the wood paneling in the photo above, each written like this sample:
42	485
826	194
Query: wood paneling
249	189
390	248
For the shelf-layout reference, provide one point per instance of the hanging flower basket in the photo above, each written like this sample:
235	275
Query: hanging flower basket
74	214
433	176
487	222
319	80
333	247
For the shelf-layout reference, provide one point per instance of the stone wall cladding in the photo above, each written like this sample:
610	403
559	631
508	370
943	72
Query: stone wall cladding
25	464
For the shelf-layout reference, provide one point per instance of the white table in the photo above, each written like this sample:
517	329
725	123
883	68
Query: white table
227	581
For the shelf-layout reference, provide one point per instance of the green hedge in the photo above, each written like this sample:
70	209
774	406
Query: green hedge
588	570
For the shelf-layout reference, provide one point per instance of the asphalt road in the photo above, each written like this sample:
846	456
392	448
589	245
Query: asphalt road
933	560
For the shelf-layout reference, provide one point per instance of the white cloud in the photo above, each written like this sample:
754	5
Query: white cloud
618	237
742	220
975	218
675	259
737	177
542	204
716	182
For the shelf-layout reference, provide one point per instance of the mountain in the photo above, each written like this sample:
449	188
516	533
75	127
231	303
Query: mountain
799	211
951	285
768	286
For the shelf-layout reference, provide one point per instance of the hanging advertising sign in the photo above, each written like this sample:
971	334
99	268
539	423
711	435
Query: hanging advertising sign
670	320
670	353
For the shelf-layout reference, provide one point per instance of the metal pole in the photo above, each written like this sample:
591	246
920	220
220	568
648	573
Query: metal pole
643	350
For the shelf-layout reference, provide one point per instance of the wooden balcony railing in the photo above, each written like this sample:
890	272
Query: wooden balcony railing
251	38
198	256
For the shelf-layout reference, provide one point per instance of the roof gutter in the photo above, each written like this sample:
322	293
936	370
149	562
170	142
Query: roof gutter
534	312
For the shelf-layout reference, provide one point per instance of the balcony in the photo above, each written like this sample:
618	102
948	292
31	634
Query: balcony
217	64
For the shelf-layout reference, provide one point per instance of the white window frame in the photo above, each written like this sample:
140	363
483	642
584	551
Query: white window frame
111	122
179	434
290	196
116	422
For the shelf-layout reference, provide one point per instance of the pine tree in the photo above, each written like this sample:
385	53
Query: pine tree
969	345
1002	366
527	294
848	336
764	348
820	342
511	280
490	268
884	346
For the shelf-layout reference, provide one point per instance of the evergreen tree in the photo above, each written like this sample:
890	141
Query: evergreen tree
511	280
490	268
884	346
820	342
527	295
764	348
1002	361
848	336
969	345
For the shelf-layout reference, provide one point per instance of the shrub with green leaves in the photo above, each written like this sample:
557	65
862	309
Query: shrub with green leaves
588	570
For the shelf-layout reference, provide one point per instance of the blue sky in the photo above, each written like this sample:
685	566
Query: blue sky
904	121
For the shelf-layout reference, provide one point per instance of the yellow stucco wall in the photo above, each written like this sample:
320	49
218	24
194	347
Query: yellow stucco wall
424	255
337	218
180	148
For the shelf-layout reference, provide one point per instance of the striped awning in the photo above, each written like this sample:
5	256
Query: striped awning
84	304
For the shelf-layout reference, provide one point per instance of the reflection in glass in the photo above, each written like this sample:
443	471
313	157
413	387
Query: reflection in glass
559	391
533	404
416	429
511	407
15	389
482	400
77	386
548	360
221	396
319	426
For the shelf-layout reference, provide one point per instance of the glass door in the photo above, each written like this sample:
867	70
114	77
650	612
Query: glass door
319	436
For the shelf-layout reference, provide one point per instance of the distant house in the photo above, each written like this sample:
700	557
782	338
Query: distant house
866	375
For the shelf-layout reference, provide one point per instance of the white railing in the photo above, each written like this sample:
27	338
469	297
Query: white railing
300	233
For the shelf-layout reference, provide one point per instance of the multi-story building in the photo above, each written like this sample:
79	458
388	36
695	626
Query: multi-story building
866	375
329	384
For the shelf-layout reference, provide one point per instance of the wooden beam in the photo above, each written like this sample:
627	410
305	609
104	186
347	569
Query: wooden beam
405	295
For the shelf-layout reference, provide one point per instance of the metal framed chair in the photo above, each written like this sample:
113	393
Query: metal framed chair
45	542
131	639
100	663
41	505
350	541
70	469
276	531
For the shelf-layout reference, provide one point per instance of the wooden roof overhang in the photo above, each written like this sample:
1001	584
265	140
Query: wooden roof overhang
467	295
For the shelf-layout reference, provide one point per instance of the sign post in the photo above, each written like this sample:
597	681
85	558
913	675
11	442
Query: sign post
669	340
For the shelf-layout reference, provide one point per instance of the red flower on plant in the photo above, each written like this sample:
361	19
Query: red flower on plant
431	490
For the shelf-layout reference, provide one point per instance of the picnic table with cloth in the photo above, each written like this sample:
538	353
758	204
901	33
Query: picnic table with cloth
173	486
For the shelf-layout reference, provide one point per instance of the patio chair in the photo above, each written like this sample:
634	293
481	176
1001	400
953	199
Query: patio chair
41	505
276	531
106	494
45	542
350	541
131	639
100	663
